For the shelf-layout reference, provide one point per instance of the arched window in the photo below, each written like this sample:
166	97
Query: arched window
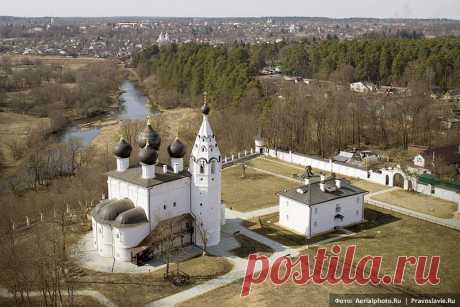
201	169
213	166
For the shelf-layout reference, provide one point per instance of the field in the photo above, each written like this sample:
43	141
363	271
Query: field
67	62
78	301
14	129
257	190
419	202
141	288
267	226
387	234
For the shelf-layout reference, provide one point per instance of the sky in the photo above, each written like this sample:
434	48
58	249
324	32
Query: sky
234	8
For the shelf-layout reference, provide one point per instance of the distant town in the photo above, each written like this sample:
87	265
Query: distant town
120	37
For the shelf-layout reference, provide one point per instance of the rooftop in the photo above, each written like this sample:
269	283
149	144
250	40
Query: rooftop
312	194
134	175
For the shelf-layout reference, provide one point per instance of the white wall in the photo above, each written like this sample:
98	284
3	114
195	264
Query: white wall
125	238
177	191
371	176
294	215
121	189
322	215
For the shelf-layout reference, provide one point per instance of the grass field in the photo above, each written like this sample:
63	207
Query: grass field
67	62
267	226
250	246
255	191
288	169
78	301
419	202
141	288
385	234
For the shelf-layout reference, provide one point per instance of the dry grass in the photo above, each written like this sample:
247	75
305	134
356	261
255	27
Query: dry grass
67	62
141	288
250	246
387	234
366	185
419	202
14	128
267	226
255	191
78	301
171	122
276	166
289	169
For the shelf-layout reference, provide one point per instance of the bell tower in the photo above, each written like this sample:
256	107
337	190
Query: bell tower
206	167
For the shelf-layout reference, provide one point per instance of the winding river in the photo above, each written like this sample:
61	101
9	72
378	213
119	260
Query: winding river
133	105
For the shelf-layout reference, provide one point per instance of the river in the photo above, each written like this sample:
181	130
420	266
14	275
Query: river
133	106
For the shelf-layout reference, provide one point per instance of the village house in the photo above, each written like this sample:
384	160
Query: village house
361	158
362	87
448	154
144	198
321	206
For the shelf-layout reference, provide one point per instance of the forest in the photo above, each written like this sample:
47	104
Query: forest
317	119
227	73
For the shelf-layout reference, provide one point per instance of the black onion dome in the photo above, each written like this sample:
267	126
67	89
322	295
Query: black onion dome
148	134
122	149
205	109
176	149
148	155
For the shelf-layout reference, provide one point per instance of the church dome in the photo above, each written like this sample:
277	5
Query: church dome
148	155
149	134
205	109
176	149
122	149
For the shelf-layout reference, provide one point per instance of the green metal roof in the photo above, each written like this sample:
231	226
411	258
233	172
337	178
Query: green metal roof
435	181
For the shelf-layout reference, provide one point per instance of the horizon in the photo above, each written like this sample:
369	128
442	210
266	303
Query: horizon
334	9
234	17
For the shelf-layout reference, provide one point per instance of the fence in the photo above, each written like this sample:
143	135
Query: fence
383	176
52	216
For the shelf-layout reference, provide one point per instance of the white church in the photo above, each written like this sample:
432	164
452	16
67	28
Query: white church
143	199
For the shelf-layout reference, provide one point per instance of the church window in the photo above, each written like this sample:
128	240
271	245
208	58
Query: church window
338	208
201	204
164	207
213	167
174	204
316	210
357	212
202	168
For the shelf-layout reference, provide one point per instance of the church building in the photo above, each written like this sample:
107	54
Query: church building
146	200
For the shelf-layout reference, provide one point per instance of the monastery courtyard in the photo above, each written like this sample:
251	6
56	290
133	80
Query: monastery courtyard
252	227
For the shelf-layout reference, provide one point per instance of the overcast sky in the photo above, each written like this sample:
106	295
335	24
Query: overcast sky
232	8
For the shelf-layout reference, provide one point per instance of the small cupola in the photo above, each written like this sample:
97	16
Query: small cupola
176	149
122	151
149	134
148	157
148	154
